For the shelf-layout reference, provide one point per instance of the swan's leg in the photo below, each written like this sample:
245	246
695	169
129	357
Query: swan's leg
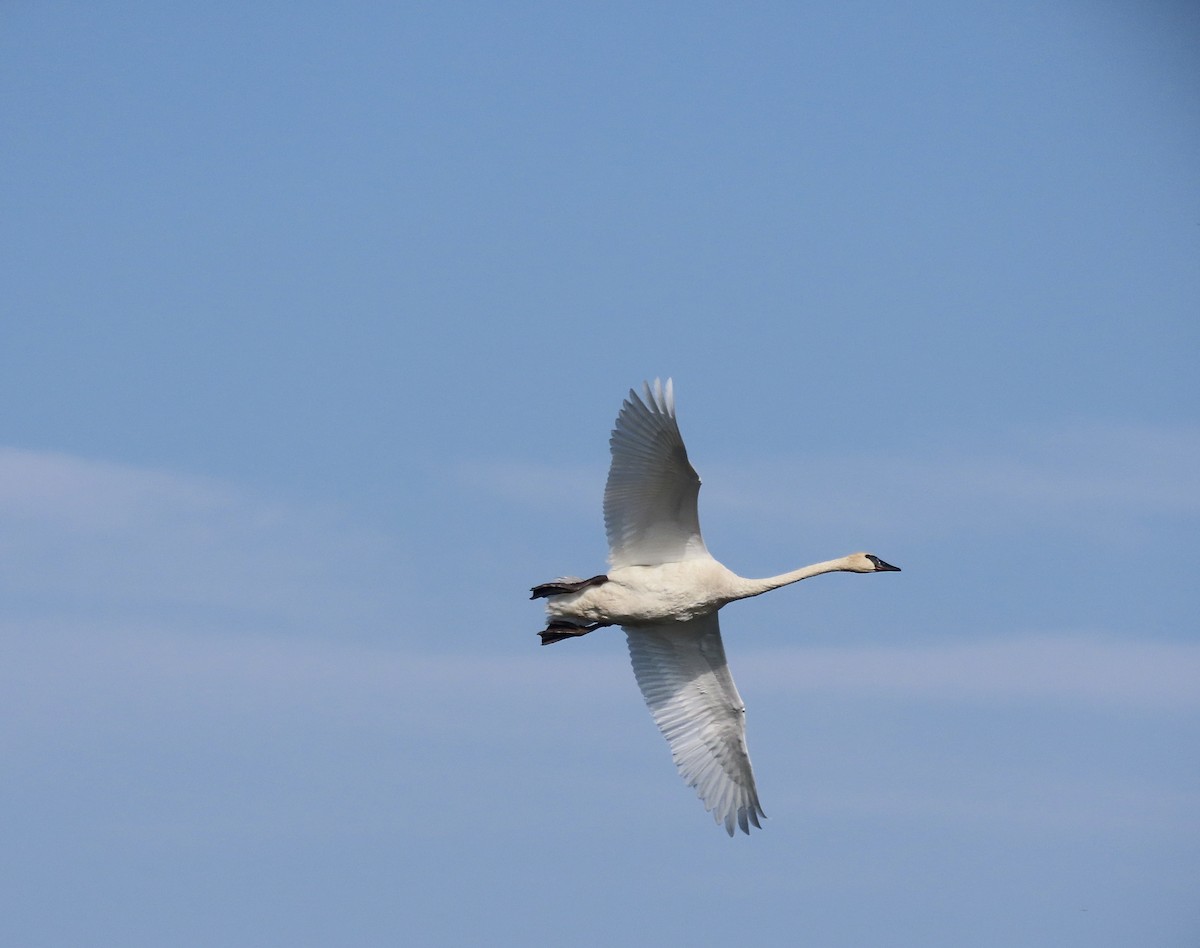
559	587
558	629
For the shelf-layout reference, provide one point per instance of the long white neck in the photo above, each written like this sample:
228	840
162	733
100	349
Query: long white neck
756	587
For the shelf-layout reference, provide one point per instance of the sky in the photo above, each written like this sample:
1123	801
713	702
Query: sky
315	322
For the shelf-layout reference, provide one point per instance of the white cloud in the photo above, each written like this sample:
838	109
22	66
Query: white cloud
1065	475
73	494
113	662
89	676
351	736
1071	477
1092	671
79	533
536	484
149	556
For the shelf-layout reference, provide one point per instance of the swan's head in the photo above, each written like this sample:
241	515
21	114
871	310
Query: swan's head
869	563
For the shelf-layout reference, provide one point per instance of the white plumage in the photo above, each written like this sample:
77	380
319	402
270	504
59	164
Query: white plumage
685	680
665	588
650	498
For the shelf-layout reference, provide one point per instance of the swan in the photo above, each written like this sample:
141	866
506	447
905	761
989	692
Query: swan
665	589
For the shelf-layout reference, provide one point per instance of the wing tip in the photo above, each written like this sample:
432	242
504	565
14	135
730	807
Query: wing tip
741	817
654	399
662	396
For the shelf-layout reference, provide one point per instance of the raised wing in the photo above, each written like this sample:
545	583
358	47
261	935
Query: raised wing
681	669
650	498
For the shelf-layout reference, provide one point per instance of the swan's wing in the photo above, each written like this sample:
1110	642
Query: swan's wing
681	669
650	497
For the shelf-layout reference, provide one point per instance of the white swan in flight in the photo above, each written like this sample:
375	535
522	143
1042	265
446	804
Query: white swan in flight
665	590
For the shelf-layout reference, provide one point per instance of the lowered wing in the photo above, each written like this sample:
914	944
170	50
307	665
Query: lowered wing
681	669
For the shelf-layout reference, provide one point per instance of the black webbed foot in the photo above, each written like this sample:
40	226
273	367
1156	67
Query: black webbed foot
560	587
558	629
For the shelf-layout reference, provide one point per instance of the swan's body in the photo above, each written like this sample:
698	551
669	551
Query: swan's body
678	591
665	588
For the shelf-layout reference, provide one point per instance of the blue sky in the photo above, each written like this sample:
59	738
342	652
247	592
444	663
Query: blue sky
315	324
